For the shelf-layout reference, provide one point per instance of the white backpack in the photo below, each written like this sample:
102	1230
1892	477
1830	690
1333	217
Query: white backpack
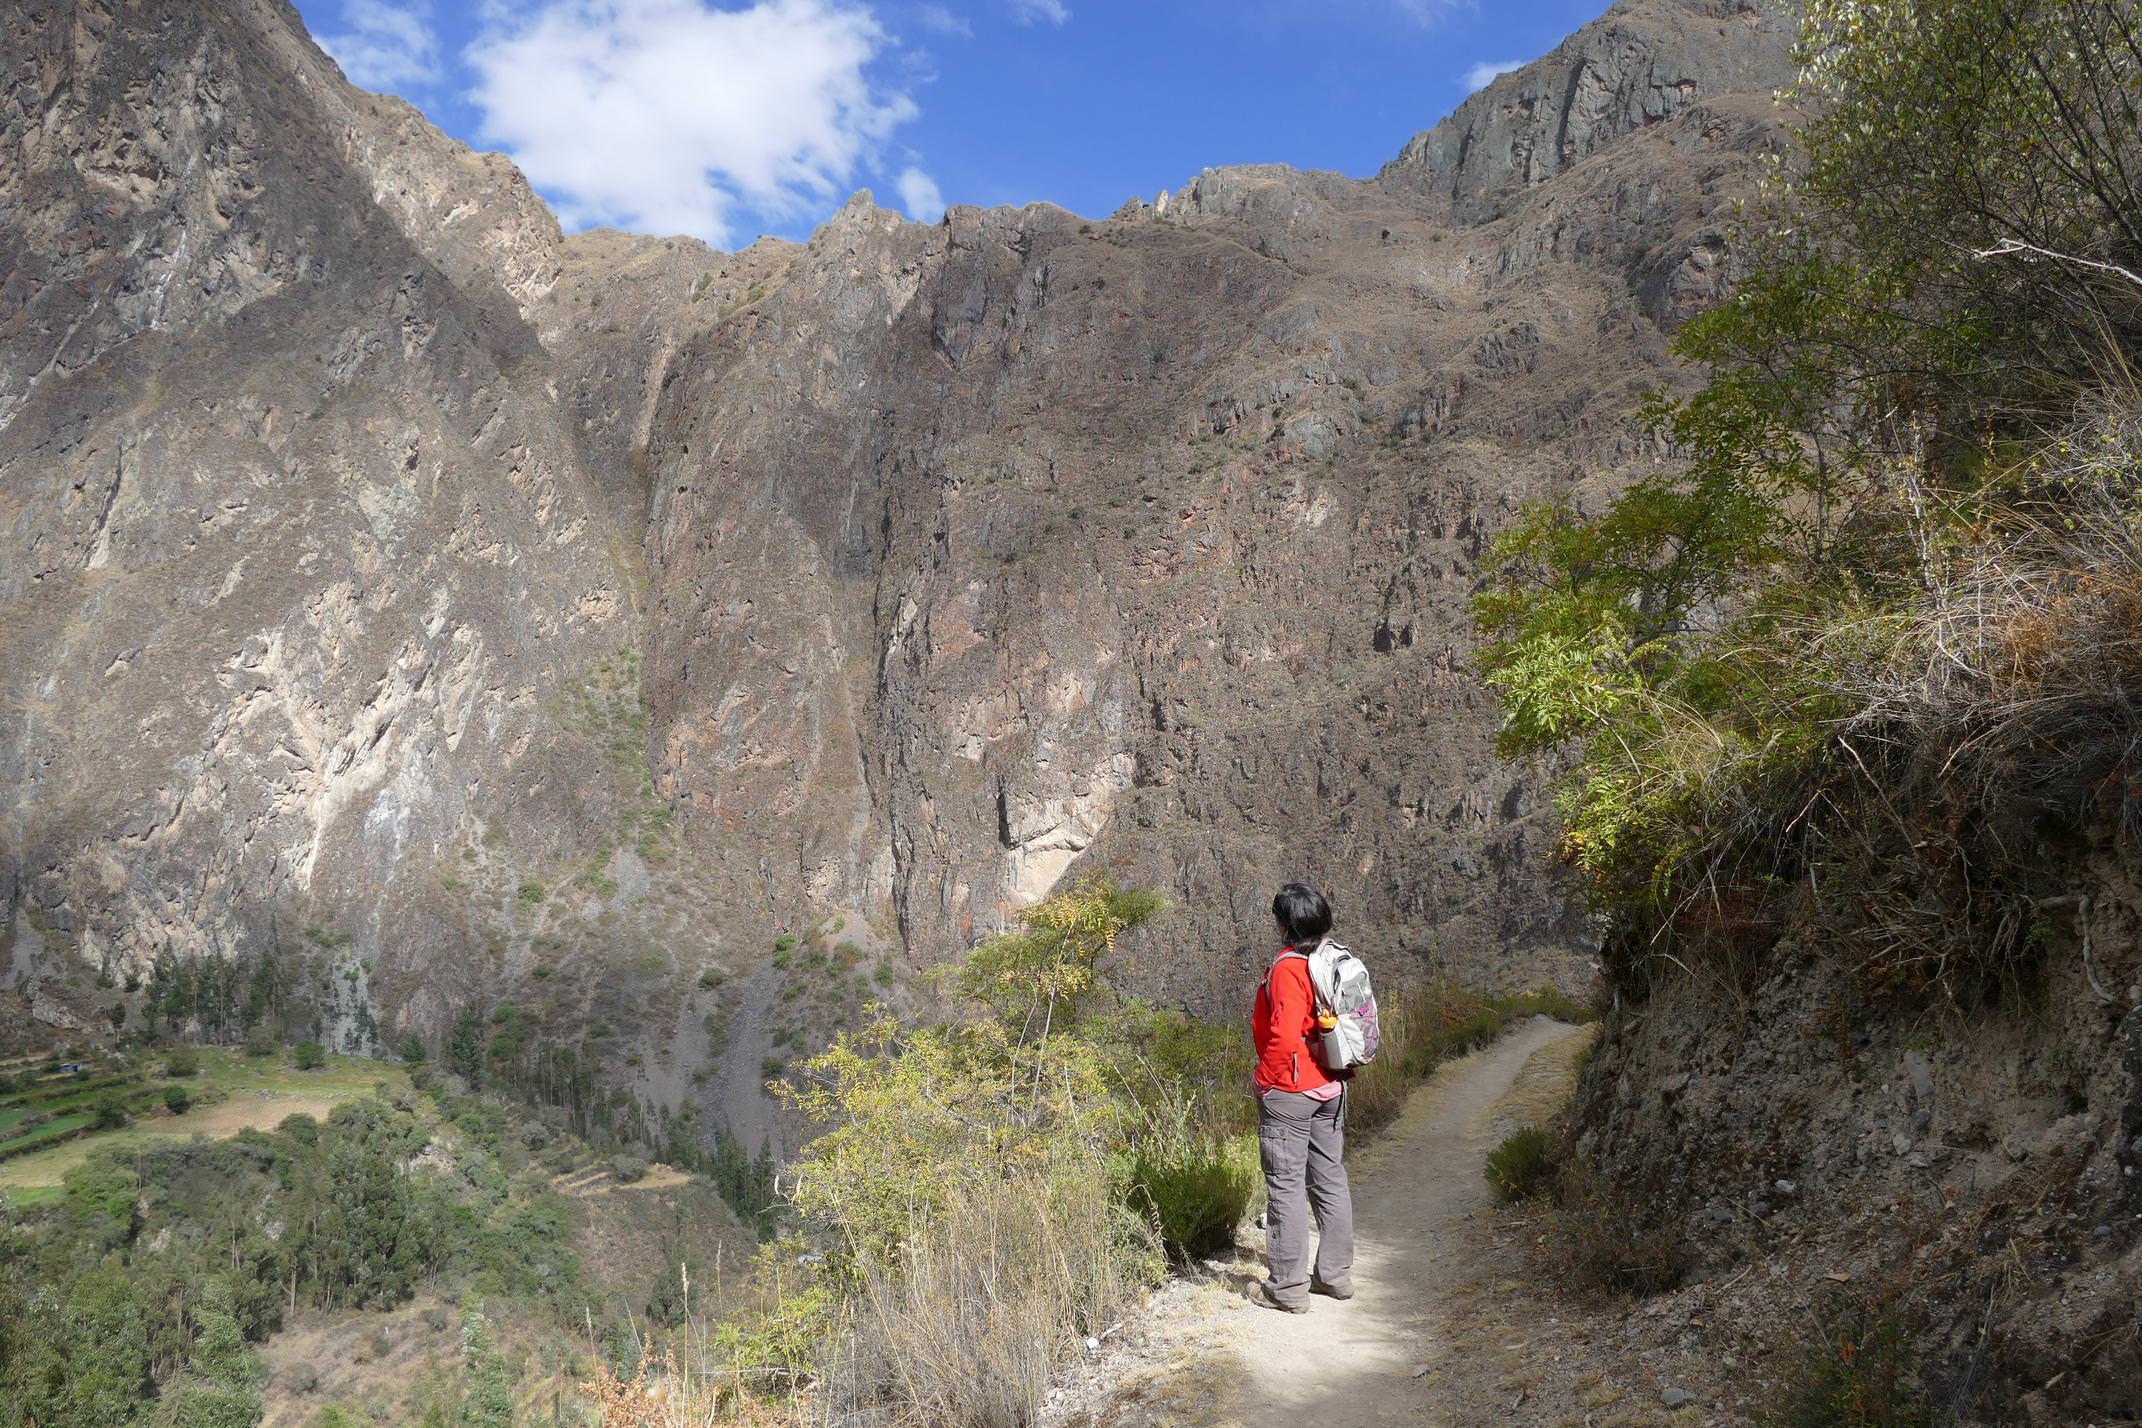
1345	999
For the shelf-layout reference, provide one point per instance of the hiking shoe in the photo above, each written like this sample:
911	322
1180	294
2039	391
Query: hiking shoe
1261	1295
1330	1291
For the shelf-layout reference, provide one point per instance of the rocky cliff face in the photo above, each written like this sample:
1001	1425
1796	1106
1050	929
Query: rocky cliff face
463	611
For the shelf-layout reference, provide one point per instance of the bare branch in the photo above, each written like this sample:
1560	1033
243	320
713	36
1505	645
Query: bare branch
2030	252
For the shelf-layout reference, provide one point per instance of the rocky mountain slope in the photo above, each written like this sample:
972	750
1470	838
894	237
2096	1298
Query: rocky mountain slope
456	611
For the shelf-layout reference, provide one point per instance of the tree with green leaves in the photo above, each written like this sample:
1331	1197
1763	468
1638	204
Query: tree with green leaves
487	1380
465	1046
86	1360
915	1116
1911	406
669	1303
221	1385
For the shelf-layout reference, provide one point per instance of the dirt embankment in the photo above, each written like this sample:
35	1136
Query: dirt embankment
1976	1168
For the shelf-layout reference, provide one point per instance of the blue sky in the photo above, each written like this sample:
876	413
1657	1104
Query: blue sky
729	118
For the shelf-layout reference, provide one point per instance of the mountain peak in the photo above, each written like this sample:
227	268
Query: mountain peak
1641	62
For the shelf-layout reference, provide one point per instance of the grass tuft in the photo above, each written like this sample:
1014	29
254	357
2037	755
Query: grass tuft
1524	1164
1611	1238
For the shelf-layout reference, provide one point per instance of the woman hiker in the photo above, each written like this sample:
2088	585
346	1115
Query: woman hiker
1301	1121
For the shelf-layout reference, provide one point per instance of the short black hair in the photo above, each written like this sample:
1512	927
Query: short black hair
1303	914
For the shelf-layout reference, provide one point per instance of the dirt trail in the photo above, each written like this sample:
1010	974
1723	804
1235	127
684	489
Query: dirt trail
1356	1362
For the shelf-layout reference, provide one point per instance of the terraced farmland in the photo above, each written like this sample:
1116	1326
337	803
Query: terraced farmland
50	1120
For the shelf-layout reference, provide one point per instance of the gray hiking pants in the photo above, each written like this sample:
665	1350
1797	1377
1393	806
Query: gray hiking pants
1300	1140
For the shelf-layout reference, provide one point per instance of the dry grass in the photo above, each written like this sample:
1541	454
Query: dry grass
1939	732
1611	1237
966	1329
667	1393
2003	699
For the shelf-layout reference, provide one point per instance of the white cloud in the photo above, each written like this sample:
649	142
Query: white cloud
1034	12
662	115
938	19
1431	12
919	195
1481	75
385	46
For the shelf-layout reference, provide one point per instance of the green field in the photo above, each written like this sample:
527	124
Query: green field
55	1129
231	1093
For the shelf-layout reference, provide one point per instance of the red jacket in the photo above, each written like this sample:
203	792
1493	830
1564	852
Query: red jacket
1282	1025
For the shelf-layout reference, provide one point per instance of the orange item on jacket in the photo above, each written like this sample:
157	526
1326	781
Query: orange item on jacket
1282	1023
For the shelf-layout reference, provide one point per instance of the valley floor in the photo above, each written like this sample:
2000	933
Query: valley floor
1453	1321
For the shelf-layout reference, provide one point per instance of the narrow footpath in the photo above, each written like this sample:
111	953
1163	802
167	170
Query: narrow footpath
1363	1361
1206	1357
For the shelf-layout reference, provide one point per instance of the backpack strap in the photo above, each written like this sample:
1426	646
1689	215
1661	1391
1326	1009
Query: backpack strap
1316	998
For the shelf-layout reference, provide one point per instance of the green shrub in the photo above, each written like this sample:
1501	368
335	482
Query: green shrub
1523	1165
182	1061
410	1048
984	1192
176	1100
1196	1188
628	1168
259	1046
109	1113
309	1056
